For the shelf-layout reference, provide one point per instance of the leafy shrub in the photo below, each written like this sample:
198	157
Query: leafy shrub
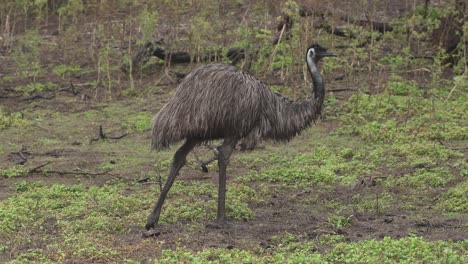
140	122
404	88
424	178
34	87
388	250
455	199
64	70
26	55
322	166
15	171
12	120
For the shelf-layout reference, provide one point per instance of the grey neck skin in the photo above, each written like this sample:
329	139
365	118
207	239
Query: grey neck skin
318	86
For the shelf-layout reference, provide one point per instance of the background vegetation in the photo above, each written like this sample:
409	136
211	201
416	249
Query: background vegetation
380	179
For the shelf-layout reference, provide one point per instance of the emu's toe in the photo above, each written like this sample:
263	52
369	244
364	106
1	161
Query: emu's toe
150	224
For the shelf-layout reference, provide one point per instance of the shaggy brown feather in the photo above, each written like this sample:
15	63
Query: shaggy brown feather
218	101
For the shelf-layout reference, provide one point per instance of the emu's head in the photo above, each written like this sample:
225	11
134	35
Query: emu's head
316	52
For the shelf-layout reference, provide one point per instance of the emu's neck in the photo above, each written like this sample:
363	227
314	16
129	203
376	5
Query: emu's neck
284	118
318	86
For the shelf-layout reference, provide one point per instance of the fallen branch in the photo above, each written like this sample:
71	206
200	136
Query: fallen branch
339	90
70	89
41	95
23	156
103	136
76	172
154	49
36	169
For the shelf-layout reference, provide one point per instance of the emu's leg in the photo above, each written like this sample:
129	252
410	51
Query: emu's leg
224	154
177	164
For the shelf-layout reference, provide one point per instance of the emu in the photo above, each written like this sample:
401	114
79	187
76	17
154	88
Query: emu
217	101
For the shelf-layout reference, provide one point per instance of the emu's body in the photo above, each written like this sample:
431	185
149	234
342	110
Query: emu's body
217	101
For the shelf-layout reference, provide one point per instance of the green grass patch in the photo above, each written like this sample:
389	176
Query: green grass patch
388	250
139	122
63	70
388	118
15	171
16	120
455	199
84	219
35	87
112	207
323	165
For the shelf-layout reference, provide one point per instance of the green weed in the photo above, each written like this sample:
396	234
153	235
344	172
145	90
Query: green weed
140	122
15	171
377	203
322	166
455	199
13	120
338	222
63	70
26	55
426	178
34	87
388	250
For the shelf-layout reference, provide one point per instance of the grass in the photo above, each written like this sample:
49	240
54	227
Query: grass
383	154
84	218
454	200
388	250
16	120
15	171
381	166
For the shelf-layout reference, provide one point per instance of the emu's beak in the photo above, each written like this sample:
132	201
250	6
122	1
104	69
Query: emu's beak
329	54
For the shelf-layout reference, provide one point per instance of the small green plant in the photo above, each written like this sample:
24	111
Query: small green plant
26	55
322	166
66	70
284	238
107	166
34	87
12	120
426	178
148	21
15	171
70	12
338	221
455	199
24	186
404	88
329	239
376	203
396	62
140	122
388	250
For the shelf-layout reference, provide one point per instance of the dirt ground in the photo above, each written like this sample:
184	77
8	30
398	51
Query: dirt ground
302	212
60	144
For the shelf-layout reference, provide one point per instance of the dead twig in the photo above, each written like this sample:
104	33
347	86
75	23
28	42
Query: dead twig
339	90
42	95
103	136
23	156
84	173
70	89
36	169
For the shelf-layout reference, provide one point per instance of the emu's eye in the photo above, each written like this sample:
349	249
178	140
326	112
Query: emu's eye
311	52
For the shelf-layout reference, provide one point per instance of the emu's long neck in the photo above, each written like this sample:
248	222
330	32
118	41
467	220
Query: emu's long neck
284	118
318	86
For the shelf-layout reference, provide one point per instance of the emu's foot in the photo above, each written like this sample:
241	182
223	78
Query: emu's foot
220	224
203	168
151	223
151	233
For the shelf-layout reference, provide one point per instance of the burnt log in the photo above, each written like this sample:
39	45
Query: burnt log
151	49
